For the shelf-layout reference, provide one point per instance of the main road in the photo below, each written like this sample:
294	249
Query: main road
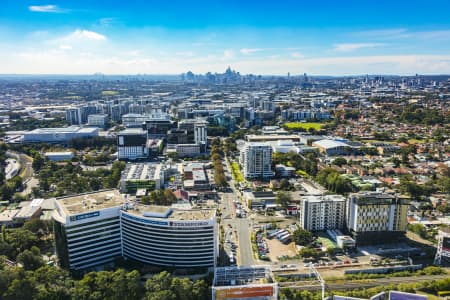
240	226
26	172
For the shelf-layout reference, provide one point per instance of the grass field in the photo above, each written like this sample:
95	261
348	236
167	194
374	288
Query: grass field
236	170
323	237
415	141
302	125
109	93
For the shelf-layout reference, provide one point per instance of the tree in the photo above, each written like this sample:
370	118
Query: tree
284	184
21	239
38	227
303	237
283	199
309	252
38	161
339	161
21	289
169	197
31	259
418	229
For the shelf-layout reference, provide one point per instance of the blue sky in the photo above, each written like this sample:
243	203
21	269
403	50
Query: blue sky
260	37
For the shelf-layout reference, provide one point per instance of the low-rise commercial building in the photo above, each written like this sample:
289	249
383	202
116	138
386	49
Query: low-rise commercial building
148	176
59	156
58	135
332	147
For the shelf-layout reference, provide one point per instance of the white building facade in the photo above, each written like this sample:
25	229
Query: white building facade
322	212
256	160
92	230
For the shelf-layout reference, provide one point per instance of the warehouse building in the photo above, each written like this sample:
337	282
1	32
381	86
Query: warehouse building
58	135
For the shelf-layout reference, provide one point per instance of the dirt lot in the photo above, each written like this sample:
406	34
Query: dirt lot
277	249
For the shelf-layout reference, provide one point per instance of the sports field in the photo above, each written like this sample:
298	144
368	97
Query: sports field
303	125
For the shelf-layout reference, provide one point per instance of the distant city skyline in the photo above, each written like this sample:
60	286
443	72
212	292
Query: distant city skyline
259	37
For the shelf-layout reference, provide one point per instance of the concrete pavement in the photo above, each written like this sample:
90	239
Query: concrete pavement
240	226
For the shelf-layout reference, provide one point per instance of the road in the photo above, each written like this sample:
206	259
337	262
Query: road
12	168
25	162
363	283
26	171
240	226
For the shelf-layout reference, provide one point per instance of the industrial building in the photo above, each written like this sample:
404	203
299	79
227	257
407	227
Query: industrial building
58	135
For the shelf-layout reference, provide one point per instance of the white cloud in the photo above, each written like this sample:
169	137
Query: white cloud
384	34
228	54
49	8
297	55
65	47
247	51
185	53
354	46
82	34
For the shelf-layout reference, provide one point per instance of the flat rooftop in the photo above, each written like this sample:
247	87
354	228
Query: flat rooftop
144	171
171	213
70	129
133	131
73	205
323	198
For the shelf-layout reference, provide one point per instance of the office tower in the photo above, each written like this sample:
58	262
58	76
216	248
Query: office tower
132	144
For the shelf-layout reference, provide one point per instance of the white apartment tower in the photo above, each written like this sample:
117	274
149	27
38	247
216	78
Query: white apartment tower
256	160
200	134
322	212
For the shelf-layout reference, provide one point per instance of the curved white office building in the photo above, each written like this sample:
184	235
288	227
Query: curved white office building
94	229
168	237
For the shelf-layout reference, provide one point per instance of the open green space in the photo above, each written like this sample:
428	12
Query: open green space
236	170
109	93
303	125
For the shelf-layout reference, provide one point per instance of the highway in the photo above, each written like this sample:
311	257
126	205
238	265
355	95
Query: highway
26	171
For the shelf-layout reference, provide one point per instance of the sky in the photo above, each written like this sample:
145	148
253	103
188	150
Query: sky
345	37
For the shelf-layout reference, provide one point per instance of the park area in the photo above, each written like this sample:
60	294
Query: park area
236	170
303	126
